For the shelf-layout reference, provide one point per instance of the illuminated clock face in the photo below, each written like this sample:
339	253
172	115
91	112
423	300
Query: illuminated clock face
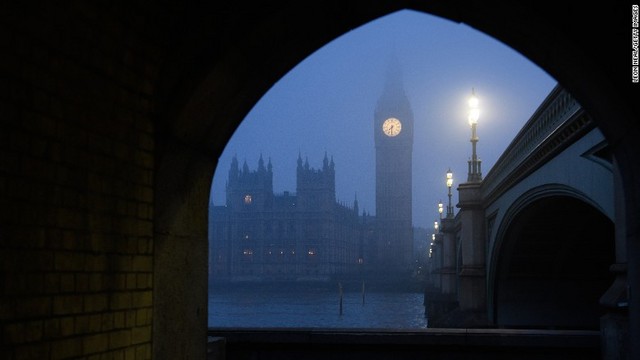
391	127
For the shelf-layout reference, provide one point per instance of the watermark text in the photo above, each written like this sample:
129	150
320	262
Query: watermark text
635	40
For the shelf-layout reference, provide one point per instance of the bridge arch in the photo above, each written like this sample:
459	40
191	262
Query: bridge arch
548	270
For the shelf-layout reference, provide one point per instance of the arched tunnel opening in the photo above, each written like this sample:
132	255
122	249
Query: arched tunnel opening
554	266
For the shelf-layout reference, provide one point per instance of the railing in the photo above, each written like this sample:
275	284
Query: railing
477	344
216	347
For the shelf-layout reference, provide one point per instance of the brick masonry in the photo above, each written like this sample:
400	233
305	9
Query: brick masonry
76	185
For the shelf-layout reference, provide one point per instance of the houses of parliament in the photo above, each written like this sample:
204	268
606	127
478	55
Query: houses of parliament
307	234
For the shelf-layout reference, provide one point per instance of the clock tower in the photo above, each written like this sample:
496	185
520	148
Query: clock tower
393	135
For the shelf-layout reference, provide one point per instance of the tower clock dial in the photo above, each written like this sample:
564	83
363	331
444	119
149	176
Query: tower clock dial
391	127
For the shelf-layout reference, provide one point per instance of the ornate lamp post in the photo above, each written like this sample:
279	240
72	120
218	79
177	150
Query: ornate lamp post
471	269
440	209
475	173
449	184
433	241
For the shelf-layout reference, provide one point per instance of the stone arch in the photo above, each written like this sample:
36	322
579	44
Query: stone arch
551	262
237	70
137	71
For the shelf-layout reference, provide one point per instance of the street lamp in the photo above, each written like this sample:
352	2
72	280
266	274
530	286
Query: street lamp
449	184
440	209
433	240
475	174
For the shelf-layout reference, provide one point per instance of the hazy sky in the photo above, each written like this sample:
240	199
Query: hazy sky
327	102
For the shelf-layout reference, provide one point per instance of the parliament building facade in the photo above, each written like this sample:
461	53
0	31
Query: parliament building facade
259	235
306	235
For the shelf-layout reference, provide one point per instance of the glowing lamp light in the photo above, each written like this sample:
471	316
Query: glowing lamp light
474	112
473	101
449	184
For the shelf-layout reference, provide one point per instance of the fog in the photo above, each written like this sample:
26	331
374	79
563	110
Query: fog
326	105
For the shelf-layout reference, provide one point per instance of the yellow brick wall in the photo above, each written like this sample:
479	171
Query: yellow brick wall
76	185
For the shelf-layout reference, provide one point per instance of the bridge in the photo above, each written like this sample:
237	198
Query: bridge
533	242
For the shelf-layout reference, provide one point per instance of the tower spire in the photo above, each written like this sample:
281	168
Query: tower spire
393	138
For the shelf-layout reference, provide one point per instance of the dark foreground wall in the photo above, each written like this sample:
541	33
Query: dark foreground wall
432	344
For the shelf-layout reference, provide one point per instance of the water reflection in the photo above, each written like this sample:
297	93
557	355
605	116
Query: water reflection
315	308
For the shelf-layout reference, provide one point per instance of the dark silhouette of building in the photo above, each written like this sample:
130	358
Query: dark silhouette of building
307	235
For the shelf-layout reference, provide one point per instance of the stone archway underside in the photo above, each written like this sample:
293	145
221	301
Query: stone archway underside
553	266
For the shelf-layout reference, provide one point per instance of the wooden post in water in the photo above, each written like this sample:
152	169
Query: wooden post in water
340	288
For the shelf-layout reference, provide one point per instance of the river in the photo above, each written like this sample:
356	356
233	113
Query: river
315	307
